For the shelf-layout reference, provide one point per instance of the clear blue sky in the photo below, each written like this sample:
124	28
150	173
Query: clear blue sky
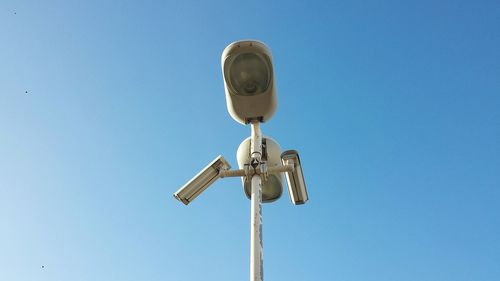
394	107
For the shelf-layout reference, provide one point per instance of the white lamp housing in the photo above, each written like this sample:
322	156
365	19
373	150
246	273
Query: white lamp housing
248	74
272	188
202	180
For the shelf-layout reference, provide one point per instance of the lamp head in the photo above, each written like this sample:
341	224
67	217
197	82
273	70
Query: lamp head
272	188
248	74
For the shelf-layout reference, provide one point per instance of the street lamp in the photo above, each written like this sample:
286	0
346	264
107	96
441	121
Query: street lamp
248	75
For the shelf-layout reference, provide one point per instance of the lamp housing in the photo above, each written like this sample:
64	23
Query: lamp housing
248	75
272	187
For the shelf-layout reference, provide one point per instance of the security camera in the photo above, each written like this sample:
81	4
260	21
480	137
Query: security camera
295	179
272	187
202	180
247	69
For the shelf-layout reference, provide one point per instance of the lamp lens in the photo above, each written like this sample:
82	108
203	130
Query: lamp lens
249	74
271	189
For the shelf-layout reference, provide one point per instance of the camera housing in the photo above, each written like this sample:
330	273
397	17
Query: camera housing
295	179
248	75
202	180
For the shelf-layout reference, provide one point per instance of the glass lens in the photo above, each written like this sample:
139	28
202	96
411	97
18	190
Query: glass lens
249	74
271	189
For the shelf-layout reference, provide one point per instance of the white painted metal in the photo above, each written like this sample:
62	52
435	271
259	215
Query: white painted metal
256	248
256	141
272	187
295	179
256	261
232	173
270	170
202	180
245	107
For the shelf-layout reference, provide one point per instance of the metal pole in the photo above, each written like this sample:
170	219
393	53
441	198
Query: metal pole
256	263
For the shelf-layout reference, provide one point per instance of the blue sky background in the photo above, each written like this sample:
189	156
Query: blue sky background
394	107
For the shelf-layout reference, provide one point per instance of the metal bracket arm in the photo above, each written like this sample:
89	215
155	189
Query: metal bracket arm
241	172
